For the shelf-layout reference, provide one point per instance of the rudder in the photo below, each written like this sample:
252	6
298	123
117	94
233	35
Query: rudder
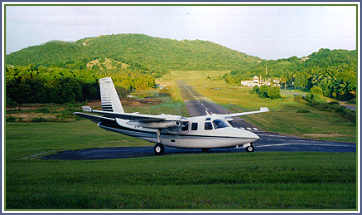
109	97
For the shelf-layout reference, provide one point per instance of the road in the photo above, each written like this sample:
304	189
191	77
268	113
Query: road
198	105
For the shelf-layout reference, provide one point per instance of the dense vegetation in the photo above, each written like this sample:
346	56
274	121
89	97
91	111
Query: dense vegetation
154	55
40	84
333	71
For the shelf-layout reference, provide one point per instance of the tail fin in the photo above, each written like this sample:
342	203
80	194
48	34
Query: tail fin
109	96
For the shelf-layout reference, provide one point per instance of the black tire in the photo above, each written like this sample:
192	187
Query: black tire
250	148
158	149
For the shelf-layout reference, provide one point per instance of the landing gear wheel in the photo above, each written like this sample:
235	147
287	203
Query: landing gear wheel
249	148
158	149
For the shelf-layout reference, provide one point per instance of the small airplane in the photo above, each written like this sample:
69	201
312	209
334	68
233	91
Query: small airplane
203	132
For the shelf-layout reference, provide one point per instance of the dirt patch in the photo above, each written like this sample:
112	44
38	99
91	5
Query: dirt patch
150	101
26	107
28	117
94	103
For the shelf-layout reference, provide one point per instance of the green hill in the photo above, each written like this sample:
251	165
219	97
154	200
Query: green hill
151	54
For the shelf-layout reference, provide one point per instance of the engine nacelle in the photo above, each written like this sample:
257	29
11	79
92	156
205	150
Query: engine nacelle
164	124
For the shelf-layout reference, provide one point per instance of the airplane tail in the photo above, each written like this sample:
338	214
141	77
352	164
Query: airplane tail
109	96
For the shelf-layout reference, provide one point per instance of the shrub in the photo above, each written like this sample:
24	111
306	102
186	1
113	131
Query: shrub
313	99
10	102
273	92
10	119
39	119
316	90
263	91
255	89
43	110
267	91
303	111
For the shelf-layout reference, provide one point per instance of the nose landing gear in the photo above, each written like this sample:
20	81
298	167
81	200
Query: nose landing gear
250	148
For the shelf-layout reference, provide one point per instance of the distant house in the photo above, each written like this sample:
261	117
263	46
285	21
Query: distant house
305	58
250	83
258	82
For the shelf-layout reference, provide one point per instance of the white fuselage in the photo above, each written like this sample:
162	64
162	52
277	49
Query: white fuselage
194	132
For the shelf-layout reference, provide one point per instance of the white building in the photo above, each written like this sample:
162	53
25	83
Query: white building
251	83
257	82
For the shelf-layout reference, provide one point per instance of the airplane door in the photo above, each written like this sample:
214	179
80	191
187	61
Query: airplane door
185	126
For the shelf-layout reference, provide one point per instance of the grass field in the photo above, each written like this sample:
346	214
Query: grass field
237	181
205	181
285	116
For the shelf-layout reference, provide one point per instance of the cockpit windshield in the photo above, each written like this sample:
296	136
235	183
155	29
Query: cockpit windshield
218	123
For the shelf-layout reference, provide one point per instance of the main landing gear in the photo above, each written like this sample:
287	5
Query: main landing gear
159	149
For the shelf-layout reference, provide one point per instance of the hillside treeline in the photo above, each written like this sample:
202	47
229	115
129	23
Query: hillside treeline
334	71
154	55
40	84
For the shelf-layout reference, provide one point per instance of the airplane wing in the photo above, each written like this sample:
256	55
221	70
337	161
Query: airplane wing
133	116
262	110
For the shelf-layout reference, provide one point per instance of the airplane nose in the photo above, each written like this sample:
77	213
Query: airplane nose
247	134
252	135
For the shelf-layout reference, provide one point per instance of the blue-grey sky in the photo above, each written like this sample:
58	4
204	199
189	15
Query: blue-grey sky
269	32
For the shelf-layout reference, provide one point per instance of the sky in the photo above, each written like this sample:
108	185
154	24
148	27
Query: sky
269	32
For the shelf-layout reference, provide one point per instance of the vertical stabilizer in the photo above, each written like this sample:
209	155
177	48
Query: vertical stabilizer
109	96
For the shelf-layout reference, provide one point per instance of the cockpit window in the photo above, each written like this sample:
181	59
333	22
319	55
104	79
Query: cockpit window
218	123
185	126
208	126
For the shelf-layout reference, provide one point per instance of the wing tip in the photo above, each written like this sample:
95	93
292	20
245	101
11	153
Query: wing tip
264	109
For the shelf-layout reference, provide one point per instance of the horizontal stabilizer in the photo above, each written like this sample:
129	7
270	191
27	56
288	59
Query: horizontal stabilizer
138	117
94	118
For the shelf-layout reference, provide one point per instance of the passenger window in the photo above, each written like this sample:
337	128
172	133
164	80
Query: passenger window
208	126
185	126
219	124
194	126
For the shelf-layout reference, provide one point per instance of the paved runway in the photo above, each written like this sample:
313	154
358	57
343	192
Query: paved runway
197	105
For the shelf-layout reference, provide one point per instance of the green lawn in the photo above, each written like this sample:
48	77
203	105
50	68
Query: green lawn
237	181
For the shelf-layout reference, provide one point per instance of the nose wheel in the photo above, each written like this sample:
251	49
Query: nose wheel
158	149
250	148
